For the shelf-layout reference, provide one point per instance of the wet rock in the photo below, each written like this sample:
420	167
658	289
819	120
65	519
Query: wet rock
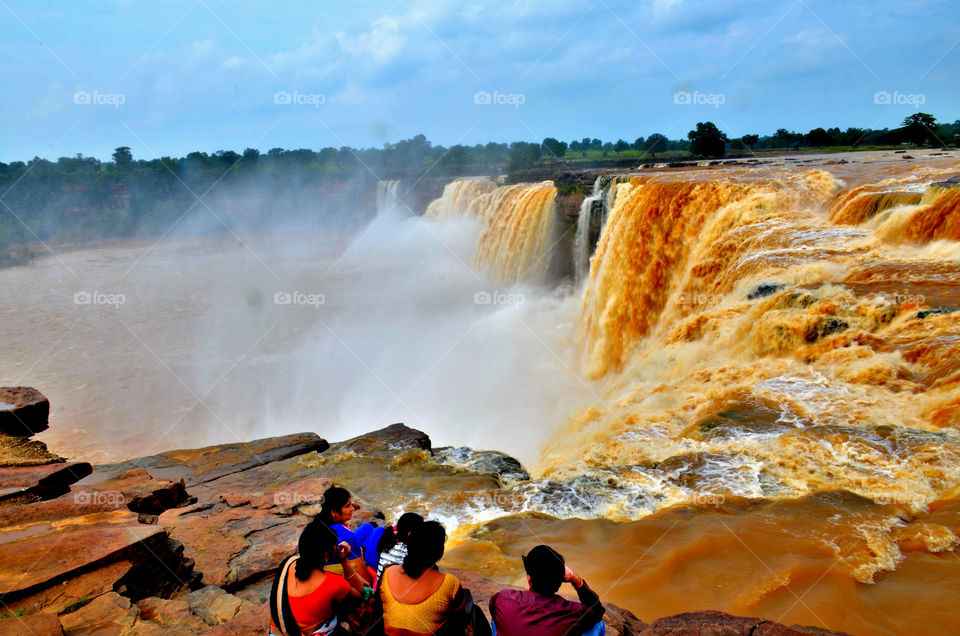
24	411
502	465
22	451
713	623
936	311
825	326
215	606
952	182
197	466
139	491
764	289
393	437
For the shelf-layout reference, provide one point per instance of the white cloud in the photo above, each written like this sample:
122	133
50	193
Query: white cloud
382	42
234	62
53	100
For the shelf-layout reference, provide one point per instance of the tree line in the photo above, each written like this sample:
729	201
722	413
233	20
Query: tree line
76	198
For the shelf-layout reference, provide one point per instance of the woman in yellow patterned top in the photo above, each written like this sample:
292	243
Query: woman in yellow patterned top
417	598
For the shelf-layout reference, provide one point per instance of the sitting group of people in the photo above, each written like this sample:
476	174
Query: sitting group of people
378	580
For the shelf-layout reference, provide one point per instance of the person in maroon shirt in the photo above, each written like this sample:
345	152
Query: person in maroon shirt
540	611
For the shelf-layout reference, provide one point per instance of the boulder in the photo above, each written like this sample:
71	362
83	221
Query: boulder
107	614
24	411
251	622
31	625
394	437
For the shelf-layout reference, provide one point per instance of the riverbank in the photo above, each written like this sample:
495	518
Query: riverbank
187	541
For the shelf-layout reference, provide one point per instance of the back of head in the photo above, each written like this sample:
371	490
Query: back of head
335	498
405	525
317	543
424	548
545	567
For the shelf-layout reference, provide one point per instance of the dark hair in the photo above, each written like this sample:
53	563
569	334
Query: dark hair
424	548
317	542
334	498
405	525
546	568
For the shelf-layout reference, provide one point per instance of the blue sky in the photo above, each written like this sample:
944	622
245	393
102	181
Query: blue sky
171	76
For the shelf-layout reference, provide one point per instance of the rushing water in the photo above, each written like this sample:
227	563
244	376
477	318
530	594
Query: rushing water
750	401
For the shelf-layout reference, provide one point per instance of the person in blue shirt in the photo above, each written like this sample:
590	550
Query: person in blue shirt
337	509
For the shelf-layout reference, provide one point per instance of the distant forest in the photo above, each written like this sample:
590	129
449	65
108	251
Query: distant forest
80	198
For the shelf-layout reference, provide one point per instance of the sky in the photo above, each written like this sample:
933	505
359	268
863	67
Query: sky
169	77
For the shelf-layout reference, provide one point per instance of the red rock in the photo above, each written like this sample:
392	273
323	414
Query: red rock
713	623
50	480
37	556
31	625
196	466
109	613
23	411
252	622
57	598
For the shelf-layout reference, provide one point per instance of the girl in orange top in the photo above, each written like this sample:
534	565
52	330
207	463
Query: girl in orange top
313	593
417	598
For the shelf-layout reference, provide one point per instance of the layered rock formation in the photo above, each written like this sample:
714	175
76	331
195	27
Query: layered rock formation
187	541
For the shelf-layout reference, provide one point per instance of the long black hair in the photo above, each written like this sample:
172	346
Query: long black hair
424	548
405	525
315	547
334	498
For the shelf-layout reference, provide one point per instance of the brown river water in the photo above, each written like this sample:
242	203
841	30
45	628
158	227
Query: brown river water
750	402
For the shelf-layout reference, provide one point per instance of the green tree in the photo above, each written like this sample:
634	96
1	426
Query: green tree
554	147
707	140
818	137
920	128
122	155
656	143
750	140
621	145
637	143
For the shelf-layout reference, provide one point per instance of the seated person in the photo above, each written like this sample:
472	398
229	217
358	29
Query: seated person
312	595
392	546
418	599
540	611
337	509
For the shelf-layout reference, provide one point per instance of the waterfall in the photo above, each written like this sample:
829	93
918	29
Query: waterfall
387	197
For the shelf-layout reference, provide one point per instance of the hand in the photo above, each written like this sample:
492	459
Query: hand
343	550
571	577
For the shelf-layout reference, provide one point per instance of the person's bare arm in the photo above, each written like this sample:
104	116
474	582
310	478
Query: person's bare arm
351	571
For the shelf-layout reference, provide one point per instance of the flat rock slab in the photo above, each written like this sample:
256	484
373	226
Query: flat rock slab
50	480
200	465
31	625
38	556
23	411
22	451
714	623
58	598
